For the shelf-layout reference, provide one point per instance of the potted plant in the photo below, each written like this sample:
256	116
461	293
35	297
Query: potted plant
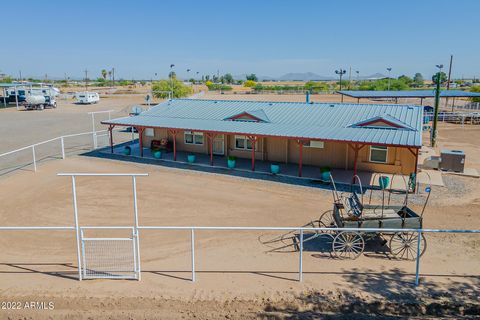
325	173
274	168
383	181
231	162
127	151
191	158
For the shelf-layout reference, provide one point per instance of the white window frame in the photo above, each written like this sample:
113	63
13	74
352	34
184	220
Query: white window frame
149	132
317	144
246	140
378	148
194	134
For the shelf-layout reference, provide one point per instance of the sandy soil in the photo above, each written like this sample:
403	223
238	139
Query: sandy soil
236	277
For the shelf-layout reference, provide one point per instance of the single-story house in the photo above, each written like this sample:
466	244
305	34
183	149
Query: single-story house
368	137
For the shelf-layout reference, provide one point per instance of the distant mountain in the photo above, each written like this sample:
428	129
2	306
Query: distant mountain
374	76
243	76
307	76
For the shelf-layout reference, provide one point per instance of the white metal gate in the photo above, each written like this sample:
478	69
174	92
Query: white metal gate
110	257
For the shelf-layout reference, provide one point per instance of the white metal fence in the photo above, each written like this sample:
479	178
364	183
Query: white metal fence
125	263
56	148
455	117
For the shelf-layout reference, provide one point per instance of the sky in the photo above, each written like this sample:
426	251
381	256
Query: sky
270	38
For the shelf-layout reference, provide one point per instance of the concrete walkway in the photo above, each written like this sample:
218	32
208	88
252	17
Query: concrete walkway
288	172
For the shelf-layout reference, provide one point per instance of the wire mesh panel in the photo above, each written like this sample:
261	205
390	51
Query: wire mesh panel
110	258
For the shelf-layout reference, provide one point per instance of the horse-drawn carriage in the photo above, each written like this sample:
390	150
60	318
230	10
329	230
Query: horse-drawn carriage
349	211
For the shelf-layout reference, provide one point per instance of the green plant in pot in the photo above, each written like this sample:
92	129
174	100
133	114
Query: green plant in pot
231	162
325	173
274	168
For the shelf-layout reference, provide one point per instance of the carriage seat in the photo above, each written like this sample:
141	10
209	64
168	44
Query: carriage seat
376	213
352	205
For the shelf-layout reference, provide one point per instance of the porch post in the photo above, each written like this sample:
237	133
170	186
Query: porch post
174	134
355	148
140	139
300	159
110	129
253	140
210	137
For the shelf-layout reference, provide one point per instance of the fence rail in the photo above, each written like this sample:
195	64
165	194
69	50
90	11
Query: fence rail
300	230
61	139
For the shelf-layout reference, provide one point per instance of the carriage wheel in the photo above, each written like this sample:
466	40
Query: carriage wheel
326	221
348	245
403	245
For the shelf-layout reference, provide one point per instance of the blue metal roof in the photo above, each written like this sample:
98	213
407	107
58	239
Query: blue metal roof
409	94
316	121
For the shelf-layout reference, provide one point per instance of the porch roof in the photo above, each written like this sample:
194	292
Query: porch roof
310	121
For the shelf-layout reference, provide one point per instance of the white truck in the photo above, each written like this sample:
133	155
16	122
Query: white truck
39	102
87	97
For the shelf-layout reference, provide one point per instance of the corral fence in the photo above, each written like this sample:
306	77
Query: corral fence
56	148
119	257
454	117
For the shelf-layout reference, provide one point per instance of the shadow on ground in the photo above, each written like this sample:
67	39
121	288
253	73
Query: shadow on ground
385	295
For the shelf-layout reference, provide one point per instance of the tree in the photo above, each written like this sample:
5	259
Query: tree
252	77
407	80
475	89
443	77
418	79
172	75
104	74
249	84
228	78
163	88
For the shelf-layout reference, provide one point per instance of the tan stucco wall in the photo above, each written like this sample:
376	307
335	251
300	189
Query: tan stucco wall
333	154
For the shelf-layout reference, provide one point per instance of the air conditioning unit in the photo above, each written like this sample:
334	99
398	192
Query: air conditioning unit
452	160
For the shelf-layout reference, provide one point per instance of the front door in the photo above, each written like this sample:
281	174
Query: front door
219	145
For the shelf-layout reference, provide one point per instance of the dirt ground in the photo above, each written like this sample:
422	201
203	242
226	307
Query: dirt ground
236	277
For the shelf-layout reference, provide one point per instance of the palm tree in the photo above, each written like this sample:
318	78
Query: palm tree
104	74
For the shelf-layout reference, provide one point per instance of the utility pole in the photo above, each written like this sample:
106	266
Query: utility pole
113	77
340	73
349	78
389	70
20	73
448	81
86	80
433	135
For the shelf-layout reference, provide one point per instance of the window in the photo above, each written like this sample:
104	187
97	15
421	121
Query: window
378	154
192	137
243	143
149	132
315	144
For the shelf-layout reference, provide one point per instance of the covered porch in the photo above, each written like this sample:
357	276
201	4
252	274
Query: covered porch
218	164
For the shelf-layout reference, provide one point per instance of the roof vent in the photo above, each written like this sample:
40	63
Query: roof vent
332	105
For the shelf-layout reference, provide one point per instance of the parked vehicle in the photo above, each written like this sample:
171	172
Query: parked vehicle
87	97
39	102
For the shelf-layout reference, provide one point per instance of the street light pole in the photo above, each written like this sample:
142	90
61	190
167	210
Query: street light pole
340	73
389	70
433	135
171	80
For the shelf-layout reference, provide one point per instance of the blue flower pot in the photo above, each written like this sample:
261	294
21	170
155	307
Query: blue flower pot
157	154
325	176
191	158
274	168
231	163
384	181
127	151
